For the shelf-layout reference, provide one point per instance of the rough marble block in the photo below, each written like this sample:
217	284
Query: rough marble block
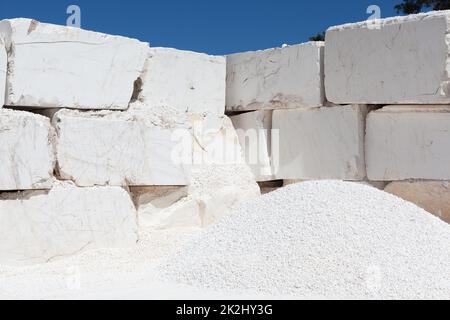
254	132
288	77
219	180
215	141
197	211
321	143
389	61
213	193
154	199
41	226
132	148
408	142
3	67
62	67
26	151
433	196
188	81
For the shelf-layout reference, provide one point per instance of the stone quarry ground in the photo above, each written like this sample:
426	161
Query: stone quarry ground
317	239
110	274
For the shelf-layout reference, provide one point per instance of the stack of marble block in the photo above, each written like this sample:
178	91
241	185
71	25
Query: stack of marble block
90	122
371	103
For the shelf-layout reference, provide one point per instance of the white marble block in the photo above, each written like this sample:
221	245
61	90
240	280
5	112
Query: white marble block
219	180
41	226
288	77
62	67
254	132
132	148
26	151
390	61
408	142
213	193
215	141
188	81
321	143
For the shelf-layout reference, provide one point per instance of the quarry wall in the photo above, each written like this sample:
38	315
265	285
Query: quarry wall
100	133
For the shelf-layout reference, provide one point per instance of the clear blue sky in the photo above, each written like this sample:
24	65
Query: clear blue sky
211	26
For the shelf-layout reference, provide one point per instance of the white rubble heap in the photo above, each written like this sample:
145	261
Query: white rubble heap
395	60
288	77
26	151
70	67
321	240
39	226
187	81
408	142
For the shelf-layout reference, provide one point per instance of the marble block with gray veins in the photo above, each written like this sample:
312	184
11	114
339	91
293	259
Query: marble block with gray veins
408	142
254	132
41	226
187	81
26	151
132	148
215	141
395	60
433	196
54	66
3	67
321	143
288	77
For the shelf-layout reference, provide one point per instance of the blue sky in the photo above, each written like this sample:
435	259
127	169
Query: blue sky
215	27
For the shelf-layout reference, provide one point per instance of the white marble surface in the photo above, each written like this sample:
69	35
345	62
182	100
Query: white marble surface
410	142
26	151
254	132
42	226
288	77
152	200
62	67
122	149
219	180
321	143
395	60
3	67
196	210
215	141
188	81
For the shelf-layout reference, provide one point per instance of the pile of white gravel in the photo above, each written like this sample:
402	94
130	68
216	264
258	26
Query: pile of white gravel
326	239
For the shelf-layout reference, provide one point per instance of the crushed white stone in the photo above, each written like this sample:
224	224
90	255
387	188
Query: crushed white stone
326	239
98	272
